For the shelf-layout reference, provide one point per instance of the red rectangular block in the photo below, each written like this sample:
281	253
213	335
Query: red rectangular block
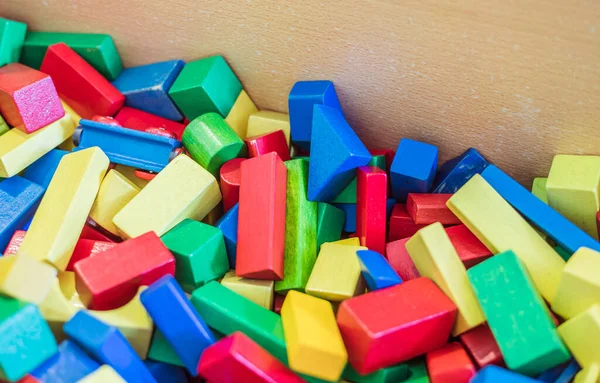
401	224
450	364
87	248
389	157
261	219
482	346
266	143
470	250
15	243
111	278
426	209
395	324
136	119
79	84
400	260
371	194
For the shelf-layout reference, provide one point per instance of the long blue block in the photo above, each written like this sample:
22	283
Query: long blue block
42	170
303	96
350	221
19	199
69	364
495	374
335	153
376	270
413	168
228	224
166	373
178	321
550	376
146	87
107	345
560	229
454	173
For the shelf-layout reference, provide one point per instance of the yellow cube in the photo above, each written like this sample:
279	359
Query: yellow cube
239	114
25	278
581	334
265	121
104	374
257	290
589	374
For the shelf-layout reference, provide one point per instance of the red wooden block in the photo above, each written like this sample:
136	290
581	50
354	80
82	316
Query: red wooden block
79	84
400	260
111	278
261	219
401	224
482	346
136	119
237	358
15	242
90	232
395	324
87	248
278	303
230	177
371	194
449	364
389	155
28	99
426	209
266	143
470	249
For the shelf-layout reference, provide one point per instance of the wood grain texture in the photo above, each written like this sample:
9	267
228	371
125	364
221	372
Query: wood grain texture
516	79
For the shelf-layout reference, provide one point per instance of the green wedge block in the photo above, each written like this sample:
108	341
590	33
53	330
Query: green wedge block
330	222
12	37
392	374
161	351
348	194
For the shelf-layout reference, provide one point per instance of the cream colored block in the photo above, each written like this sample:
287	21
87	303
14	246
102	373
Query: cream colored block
257	290
25	278
104	374
239	114
265	121
129	172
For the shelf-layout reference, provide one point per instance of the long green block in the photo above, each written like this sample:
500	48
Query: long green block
330	222
517	315
12	37
161	351
348	194
300	229
392	374
97	49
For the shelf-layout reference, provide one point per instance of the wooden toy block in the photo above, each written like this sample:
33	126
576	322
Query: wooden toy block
261	227
349	210
266	143
417	371
136	119
264	121
278	303
371	207
495	374
300	229
28	99
377	335
350	241
348	194
561	230
470	250
303	96
336	275
581	334
454	173
160	350
19	199
12	37
401	225
57	308
257	290
204	86
3	126
482	346
183	189
42	170
211	142
104	374
435	258
58	221
336	152
25	339
240	113
228	224
70	364
166	373
590	374
92	232
568	373
495	223
15	242
25	278
552	374
397	373
538	188
376	270
450	364
199	251
516	314
425	209
400	260
130	174
413	168
330	221
229	180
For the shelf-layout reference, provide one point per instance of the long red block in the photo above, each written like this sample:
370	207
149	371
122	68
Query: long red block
229	179
237	358
470	250
426	209
261	219
395	324
87	248
401	224
389	155
482	346
449	364
266	143
79	84
371	194
111	278
400	260
136	119
15	243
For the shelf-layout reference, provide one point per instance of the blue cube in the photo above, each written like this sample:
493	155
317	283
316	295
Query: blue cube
413	168
456	172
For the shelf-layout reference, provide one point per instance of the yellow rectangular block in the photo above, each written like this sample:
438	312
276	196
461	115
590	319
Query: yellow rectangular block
19	149
581	335
314	343
265	121
257	290
115	192
501	228
56	307
68	144
434	256
129	172
239	114
572	189
58	222
183	189
25	278
589	374
336	273
104	374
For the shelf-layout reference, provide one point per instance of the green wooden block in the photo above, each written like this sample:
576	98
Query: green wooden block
348	194
206	85
564	254
161	351
211	142
3	126
417	371
25	339
392	374
97	49
517	315
300	229
12	36
199	251
330	222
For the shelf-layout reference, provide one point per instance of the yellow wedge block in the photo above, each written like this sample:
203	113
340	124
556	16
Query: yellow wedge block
257	290
58	222
104	374
183	189
314	343
68	143
348	242
581	335
589	374
25	278
501	228
56	308
265	121
538	188
239	114
129	172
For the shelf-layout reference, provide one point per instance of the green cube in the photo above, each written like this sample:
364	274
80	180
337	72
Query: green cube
12	36
330	222
348	194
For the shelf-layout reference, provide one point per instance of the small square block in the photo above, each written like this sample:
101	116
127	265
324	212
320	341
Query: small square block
413	168
12	37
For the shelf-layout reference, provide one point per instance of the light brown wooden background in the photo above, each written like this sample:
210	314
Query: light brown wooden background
518	79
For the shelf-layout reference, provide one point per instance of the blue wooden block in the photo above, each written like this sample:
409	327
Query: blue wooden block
146	87
350	221
454	173
27	224
568	373
335	153
301	101
166	373
413	168
70	364
107	345
376	270
128	147
19	199
549	376
561	230
228	224
178	321
42	170
495	374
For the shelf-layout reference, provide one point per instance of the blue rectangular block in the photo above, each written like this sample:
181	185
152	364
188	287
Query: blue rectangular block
228	224
413	168
376	270
350	221
69	364
454	173
568	373
495	374
166	373
42	170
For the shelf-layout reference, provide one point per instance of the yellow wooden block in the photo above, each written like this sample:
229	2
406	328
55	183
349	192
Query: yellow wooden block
348	242
314	343
183	189
129	172
501	228
538	189
214	215
56	308
239	114
589	374
336	273
257	290
58	222
25	278
435	257
68	144
104	374
265	121
581	335
115	192
572	189
19	149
